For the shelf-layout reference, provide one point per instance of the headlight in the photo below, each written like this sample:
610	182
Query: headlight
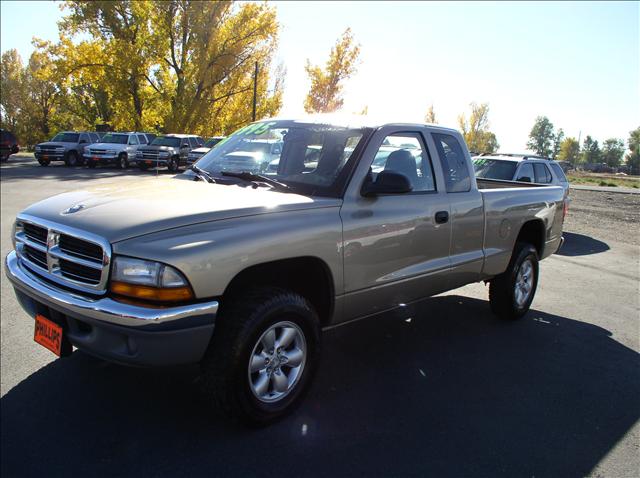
148	280
163	154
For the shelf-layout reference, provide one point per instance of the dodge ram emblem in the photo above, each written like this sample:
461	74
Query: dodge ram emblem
73	209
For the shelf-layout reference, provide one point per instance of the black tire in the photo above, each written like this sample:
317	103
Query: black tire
91	164
72	159
502	289
44	162
123	161
241	323
174	165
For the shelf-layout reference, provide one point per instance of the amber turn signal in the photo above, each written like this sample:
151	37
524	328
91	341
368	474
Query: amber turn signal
156	294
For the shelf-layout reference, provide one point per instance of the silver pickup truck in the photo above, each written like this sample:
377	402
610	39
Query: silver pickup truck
240	271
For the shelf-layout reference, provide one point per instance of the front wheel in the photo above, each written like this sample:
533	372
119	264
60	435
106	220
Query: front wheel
72	159
511	293
123	161
173	165
262	356
44	162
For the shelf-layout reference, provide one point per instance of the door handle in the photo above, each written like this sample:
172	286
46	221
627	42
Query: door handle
442	217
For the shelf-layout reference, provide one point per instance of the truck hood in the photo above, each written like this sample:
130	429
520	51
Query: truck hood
57	143
119	211
158	148
114	146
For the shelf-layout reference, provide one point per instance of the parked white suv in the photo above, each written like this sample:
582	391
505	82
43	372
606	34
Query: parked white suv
116	148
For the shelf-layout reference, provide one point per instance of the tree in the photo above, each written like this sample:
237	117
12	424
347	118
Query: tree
476	130
430	117
633	157
541	137
183	65
613	151
557	142
325	93
11	89
590	151
569	151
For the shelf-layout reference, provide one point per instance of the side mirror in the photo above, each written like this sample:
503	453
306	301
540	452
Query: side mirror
387	182
185	145
524	179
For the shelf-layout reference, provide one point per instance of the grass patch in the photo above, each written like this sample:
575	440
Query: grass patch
593	179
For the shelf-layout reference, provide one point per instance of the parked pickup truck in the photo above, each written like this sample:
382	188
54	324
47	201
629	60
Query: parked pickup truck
240	272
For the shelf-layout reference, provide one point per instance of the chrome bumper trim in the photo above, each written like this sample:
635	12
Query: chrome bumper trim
103	309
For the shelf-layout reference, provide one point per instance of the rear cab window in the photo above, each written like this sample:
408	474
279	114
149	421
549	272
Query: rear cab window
525	173
454	163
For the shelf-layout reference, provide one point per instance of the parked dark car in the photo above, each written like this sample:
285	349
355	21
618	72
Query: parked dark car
8	144
66	146
170	150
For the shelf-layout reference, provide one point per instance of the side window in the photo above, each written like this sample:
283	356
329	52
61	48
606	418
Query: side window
405	153
199	141
559	172
142	138
454	163
84	138
133	139
542	173
525	173
94	137
193	142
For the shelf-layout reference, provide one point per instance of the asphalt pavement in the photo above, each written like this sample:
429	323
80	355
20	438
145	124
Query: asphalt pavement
441	388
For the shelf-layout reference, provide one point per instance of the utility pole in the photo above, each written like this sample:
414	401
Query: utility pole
255	91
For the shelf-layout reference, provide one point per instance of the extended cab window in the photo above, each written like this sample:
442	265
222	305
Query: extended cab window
405	153
542	173
525	173
454	163
559	172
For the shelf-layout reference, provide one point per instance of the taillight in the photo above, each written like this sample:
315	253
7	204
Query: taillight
565	209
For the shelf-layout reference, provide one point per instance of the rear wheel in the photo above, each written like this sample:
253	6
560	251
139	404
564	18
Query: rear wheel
262	355
511	293
123	161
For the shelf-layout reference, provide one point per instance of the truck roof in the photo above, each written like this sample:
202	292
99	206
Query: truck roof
512	156
357	121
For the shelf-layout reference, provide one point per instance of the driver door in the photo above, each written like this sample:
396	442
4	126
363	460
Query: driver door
395	251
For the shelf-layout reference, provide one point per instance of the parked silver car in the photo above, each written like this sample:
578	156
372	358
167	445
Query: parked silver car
118	148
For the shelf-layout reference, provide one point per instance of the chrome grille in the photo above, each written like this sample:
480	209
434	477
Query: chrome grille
64	255
149	155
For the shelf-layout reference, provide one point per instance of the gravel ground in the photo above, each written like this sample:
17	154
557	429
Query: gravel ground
606	216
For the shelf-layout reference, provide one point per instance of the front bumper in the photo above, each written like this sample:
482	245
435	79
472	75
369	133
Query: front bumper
103	158
152	163
115	331
57	156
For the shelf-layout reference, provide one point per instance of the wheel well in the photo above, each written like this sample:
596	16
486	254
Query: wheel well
532	232
307	276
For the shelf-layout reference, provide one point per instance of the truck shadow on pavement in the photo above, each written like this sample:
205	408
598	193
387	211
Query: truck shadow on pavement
27	168
581	245
440	388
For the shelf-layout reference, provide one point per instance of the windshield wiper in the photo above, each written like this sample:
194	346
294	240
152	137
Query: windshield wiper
202	174
248	176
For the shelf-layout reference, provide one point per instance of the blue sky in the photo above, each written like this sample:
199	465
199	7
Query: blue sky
576	62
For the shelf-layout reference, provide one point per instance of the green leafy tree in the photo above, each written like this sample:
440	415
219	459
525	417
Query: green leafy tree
633	157
475	130
613	151
557	142
430	117
542	137
325	93
569	151
591	151
11	89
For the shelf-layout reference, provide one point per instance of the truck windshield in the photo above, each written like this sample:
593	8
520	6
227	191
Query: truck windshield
495	168
66	138
311	158
166	141
115	138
